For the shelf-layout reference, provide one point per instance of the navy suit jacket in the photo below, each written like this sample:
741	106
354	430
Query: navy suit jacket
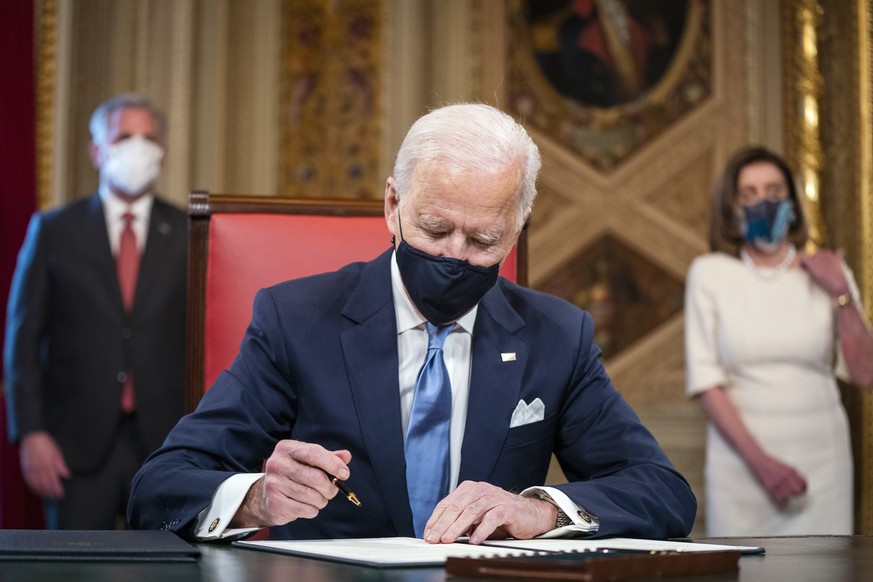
319	363
68	337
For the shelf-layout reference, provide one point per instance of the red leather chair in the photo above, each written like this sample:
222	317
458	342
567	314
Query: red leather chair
240	244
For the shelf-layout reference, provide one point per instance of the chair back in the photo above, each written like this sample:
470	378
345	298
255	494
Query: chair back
240	244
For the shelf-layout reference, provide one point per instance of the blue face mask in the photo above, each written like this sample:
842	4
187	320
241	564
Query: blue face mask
765	223
442	288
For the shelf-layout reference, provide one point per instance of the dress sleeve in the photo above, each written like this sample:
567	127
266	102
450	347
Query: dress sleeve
702	362
841	367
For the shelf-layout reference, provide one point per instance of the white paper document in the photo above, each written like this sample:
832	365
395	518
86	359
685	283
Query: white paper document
412	552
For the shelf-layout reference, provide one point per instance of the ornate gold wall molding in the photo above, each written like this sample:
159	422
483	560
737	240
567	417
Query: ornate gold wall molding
827	110
46	69
865	99
802	33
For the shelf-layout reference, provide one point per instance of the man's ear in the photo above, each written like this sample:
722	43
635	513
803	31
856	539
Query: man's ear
94	154
392	205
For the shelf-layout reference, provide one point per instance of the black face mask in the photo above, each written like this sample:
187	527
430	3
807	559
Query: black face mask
442	288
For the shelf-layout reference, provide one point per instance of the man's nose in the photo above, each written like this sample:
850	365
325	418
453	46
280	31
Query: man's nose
456	247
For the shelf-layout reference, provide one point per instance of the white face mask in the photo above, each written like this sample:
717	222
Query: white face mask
132	164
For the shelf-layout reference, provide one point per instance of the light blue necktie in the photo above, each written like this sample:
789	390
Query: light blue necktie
427	437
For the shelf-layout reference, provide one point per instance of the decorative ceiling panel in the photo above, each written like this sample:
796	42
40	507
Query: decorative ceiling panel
627	294
681	198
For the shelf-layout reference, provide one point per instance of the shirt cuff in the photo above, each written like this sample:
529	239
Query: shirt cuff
583	522
212	522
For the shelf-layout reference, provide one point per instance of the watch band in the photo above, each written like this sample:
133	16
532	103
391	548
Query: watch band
563	519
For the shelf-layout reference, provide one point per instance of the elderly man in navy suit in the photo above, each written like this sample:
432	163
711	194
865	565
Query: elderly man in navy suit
95	337
434	389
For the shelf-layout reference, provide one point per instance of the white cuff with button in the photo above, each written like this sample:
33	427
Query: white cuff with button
212	521
577	518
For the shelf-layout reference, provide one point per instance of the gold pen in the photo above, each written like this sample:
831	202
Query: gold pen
350	495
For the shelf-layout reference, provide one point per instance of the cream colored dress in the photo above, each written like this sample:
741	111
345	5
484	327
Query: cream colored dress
773	344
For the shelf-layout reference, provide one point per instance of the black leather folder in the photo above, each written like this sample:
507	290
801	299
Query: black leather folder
95	545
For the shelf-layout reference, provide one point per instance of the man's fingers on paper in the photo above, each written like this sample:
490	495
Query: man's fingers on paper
473	508
455	522
491	520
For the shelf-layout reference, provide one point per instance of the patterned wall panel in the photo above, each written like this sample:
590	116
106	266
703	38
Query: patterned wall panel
331	98
624	195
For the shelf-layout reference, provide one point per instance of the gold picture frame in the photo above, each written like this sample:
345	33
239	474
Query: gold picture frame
608	128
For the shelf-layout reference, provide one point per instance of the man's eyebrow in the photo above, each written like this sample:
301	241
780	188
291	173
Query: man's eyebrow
433	222
438	224
489	237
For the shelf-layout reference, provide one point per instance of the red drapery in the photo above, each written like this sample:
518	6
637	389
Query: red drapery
19	508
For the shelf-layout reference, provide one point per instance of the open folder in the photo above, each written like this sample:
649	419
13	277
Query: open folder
412	552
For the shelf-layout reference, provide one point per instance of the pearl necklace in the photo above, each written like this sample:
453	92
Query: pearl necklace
769	275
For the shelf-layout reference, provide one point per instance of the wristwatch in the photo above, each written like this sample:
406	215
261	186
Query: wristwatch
844	300
563	519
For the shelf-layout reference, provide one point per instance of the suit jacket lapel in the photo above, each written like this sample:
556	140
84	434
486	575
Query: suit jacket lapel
370	353
158	245
495	385
96	238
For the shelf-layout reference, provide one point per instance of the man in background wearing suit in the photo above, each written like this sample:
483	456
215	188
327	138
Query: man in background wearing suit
95	337
435	389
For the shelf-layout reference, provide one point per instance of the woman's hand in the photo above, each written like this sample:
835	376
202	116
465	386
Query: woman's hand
826	268
782	481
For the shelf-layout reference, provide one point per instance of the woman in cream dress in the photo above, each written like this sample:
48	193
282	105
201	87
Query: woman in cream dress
768	327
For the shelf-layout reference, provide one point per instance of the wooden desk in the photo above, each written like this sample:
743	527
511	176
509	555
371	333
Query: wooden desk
798	559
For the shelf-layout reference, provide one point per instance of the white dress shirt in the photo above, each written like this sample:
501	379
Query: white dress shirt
411	349
114	209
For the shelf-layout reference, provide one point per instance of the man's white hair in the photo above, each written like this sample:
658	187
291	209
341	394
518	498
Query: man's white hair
471	136
99	124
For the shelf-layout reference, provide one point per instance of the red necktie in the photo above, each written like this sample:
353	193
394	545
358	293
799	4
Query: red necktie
128	269
128	261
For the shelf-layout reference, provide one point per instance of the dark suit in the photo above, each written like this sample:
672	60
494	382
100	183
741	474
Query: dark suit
319	363
69	340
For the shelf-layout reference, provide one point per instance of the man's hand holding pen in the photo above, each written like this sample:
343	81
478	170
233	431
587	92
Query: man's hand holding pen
350	495
297	483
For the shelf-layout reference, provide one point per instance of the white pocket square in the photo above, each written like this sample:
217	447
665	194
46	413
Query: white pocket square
525	413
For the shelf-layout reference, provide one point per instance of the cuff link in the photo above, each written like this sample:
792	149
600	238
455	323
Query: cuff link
214	524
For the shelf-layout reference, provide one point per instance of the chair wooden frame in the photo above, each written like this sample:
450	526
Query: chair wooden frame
203	205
